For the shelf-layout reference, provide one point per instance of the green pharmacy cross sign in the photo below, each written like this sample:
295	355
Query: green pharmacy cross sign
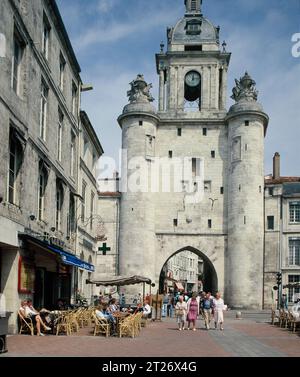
104	249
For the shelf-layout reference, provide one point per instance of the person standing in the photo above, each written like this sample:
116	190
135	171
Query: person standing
193	311
219	308
207	307
181	312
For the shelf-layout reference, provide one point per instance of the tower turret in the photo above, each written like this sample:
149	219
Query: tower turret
137	235
247	125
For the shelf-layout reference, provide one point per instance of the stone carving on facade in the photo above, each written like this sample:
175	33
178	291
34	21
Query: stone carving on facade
245	89
140	90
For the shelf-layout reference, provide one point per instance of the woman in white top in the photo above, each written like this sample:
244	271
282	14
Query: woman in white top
219	308
181	312
28	311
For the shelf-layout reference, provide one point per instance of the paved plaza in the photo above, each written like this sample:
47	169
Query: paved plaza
249	337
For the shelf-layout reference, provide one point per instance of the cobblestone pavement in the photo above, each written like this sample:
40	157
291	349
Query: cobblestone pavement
246	337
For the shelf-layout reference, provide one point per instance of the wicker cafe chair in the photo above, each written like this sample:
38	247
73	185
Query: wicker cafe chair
63	325
127	327
101	326
26	324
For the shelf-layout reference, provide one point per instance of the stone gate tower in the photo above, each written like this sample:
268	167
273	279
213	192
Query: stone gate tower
225	227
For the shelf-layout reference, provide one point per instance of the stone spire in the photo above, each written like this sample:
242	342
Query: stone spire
193	6
245	89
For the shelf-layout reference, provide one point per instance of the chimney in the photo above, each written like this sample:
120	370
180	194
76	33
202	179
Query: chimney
276	166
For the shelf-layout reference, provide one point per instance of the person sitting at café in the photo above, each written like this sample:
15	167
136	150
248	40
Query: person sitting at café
103	312
28	311
113	307
146	309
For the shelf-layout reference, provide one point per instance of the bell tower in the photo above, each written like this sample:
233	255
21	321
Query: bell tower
193	70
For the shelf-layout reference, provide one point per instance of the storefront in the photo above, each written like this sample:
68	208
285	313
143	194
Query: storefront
47	272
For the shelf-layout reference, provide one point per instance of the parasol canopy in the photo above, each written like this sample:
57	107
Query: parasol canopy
121	281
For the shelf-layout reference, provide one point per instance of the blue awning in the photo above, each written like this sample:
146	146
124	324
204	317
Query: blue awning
66	257
72	260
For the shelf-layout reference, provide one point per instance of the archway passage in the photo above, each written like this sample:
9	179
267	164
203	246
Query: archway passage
190	270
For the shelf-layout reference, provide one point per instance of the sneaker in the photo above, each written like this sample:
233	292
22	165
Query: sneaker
48	328
41	334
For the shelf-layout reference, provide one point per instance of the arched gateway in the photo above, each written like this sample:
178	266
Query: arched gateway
209	276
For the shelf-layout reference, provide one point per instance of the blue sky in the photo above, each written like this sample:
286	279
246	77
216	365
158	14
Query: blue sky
116	39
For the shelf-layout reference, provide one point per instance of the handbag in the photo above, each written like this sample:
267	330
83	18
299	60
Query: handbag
179	312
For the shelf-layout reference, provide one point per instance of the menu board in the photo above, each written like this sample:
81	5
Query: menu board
26	276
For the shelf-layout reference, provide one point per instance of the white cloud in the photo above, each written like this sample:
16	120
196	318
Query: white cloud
105	6
112	31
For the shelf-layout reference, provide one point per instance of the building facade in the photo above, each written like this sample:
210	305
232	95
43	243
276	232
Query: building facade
88	220
217	205
107	265
282	235
40	88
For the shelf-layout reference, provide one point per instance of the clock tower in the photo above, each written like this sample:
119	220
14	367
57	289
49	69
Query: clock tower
193	70
224	225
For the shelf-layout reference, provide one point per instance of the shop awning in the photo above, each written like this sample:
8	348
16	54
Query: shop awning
66	257
179	286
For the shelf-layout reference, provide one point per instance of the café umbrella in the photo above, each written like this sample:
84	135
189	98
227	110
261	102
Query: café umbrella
121	281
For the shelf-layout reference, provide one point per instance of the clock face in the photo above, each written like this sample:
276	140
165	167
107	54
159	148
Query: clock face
192	79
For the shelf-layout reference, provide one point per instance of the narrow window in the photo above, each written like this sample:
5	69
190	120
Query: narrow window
74	99
213	154
270	221
222	190
240	187
15	162
246	147
140	123
245	220
204	131
260	189
179	131
175	222
83	195
209	223
271	191
46	37
62	65
42	184
170	154
247	123
60	134
16	64
73	146
294	252
59	205
295	212
207	186
43	110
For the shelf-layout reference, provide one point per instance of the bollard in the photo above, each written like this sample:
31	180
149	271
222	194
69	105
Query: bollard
238	315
